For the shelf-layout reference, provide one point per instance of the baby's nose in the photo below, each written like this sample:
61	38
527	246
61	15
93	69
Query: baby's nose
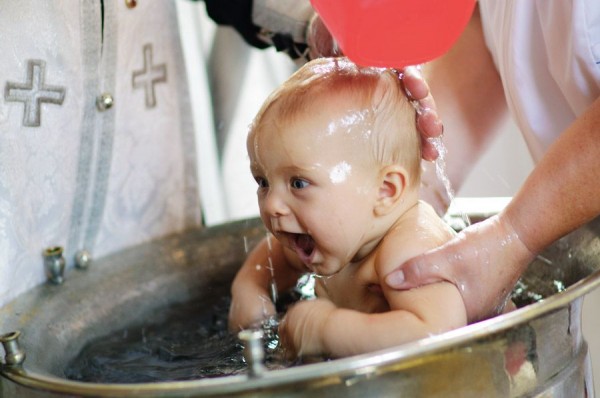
275	205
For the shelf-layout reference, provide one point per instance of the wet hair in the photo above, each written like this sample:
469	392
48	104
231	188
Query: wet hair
379	98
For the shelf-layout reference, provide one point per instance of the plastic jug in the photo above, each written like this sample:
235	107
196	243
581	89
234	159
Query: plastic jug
394	33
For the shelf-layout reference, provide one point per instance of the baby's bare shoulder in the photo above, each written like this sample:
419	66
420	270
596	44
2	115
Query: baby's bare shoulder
425	214
418	231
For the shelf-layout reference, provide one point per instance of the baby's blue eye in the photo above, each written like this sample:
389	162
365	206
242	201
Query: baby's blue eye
262	182
298	183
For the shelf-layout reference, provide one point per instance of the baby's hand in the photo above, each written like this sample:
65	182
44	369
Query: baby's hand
249	310
301	332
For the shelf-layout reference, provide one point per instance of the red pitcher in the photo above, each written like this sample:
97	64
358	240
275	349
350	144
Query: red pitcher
394	33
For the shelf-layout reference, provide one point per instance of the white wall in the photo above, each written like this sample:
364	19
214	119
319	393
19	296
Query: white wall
502	169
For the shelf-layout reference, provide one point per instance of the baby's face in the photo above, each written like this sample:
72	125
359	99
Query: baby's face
316	186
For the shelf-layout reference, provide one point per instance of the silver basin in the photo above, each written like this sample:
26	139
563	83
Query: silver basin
536	351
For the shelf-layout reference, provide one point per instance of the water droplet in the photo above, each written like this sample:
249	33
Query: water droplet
340	172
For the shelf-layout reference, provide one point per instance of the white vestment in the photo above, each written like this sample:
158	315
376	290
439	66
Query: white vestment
73	174
548	55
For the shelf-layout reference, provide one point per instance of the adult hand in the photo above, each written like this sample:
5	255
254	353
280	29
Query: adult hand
484	261
322	44
428	121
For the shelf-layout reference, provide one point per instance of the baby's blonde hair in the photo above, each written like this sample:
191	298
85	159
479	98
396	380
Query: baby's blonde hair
378	91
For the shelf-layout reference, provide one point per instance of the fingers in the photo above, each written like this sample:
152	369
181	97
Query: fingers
414	83
428	122
428	150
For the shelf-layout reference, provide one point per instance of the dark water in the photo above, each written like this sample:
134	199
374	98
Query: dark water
530	292
190	342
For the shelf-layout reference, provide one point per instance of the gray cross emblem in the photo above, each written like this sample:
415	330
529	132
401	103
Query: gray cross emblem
33	93
149	76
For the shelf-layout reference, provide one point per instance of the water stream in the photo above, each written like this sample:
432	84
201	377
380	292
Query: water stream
442	175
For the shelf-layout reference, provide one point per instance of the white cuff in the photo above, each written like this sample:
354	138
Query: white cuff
284	17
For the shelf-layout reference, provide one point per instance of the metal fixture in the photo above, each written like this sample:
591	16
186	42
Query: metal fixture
83	259
54	263
14	354
104	102
254	352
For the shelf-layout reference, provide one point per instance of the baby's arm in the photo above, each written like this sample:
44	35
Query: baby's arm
250	291
319	327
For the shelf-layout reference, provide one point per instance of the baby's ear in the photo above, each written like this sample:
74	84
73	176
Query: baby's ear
393	181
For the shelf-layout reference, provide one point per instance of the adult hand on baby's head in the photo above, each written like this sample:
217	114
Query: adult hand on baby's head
301	332
322	44
428	121
484	261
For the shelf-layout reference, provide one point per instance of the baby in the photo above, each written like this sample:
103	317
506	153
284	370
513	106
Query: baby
336	156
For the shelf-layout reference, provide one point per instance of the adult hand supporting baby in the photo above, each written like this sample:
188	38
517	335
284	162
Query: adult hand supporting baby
484	261
322	44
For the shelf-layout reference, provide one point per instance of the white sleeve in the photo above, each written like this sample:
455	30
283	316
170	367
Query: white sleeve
288	17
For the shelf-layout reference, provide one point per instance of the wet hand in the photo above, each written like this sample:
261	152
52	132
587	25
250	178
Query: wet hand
428	122
248	311
301	331
484	261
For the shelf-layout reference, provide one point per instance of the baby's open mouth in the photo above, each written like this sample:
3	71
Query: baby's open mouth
305	246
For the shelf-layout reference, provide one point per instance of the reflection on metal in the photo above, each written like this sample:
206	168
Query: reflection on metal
254	352
104	102
83	259
54	262
535	351
14	355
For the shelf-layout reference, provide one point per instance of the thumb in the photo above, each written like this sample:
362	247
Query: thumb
407	275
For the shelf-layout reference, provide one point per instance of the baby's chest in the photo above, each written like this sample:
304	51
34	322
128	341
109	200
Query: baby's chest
356	287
